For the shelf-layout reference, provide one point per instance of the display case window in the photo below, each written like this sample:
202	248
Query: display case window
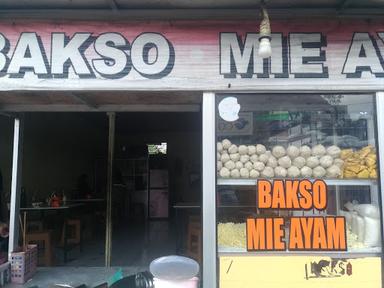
329	138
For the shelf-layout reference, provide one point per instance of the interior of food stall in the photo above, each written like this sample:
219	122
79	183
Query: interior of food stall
156	182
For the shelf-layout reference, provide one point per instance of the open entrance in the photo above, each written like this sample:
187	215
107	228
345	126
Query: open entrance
155	167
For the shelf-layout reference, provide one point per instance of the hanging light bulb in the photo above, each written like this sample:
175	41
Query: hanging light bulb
265	50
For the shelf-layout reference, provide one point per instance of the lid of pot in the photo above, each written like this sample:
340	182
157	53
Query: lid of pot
174	268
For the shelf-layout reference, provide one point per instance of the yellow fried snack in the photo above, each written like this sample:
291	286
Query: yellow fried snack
349	174
355	168
363	174
346	153
364	153
370	160
373	173
359	164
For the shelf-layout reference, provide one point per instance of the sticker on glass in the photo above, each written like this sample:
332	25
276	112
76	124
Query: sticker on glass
229	109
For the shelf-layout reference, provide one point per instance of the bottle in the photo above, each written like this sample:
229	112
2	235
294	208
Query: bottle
64	198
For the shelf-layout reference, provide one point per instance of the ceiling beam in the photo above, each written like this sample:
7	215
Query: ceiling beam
343	4
113	5
83	100
7	114
101	108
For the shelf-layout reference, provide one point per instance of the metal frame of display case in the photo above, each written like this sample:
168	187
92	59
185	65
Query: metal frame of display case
210	250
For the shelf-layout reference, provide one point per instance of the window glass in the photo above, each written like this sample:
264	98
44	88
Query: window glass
297	137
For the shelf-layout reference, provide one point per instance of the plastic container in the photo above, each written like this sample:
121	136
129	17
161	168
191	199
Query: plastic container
175	272
189	283
23	264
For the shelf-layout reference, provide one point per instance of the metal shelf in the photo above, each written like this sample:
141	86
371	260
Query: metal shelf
334	182
336	254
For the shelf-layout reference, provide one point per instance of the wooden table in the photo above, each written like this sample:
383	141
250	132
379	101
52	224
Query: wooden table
64	209
86	200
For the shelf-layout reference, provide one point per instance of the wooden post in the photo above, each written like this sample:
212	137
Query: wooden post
111	146
16	185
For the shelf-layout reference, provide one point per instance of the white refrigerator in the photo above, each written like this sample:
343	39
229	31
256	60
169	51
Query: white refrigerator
158	194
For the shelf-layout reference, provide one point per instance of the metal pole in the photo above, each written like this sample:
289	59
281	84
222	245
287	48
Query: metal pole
380	137
111	146
16	184
209	192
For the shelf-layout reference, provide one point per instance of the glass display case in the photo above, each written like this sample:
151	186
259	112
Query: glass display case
313	136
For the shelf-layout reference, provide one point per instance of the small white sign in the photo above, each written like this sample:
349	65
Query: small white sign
229	109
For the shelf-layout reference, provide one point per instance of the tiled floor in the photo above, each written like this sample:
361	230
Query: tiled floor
134	245
74	276
133	248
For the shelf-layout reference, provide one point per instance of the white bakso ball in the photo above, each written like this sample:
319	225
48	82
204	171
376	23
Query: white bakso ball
338	162
239	165
226	144
334	171
254	158
326	161
285	162
248	165
225	158
235	173
232	149
251	150
243	150
263	158
293	151
272	162
219	165
254	174
219	147
293	172
224	173
260	149
313	161
234	157
318	172
268	172
305	151
280	172
299	162
230	165
318	150
306	172
278	151
244	158
244	173
333	151
259	166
